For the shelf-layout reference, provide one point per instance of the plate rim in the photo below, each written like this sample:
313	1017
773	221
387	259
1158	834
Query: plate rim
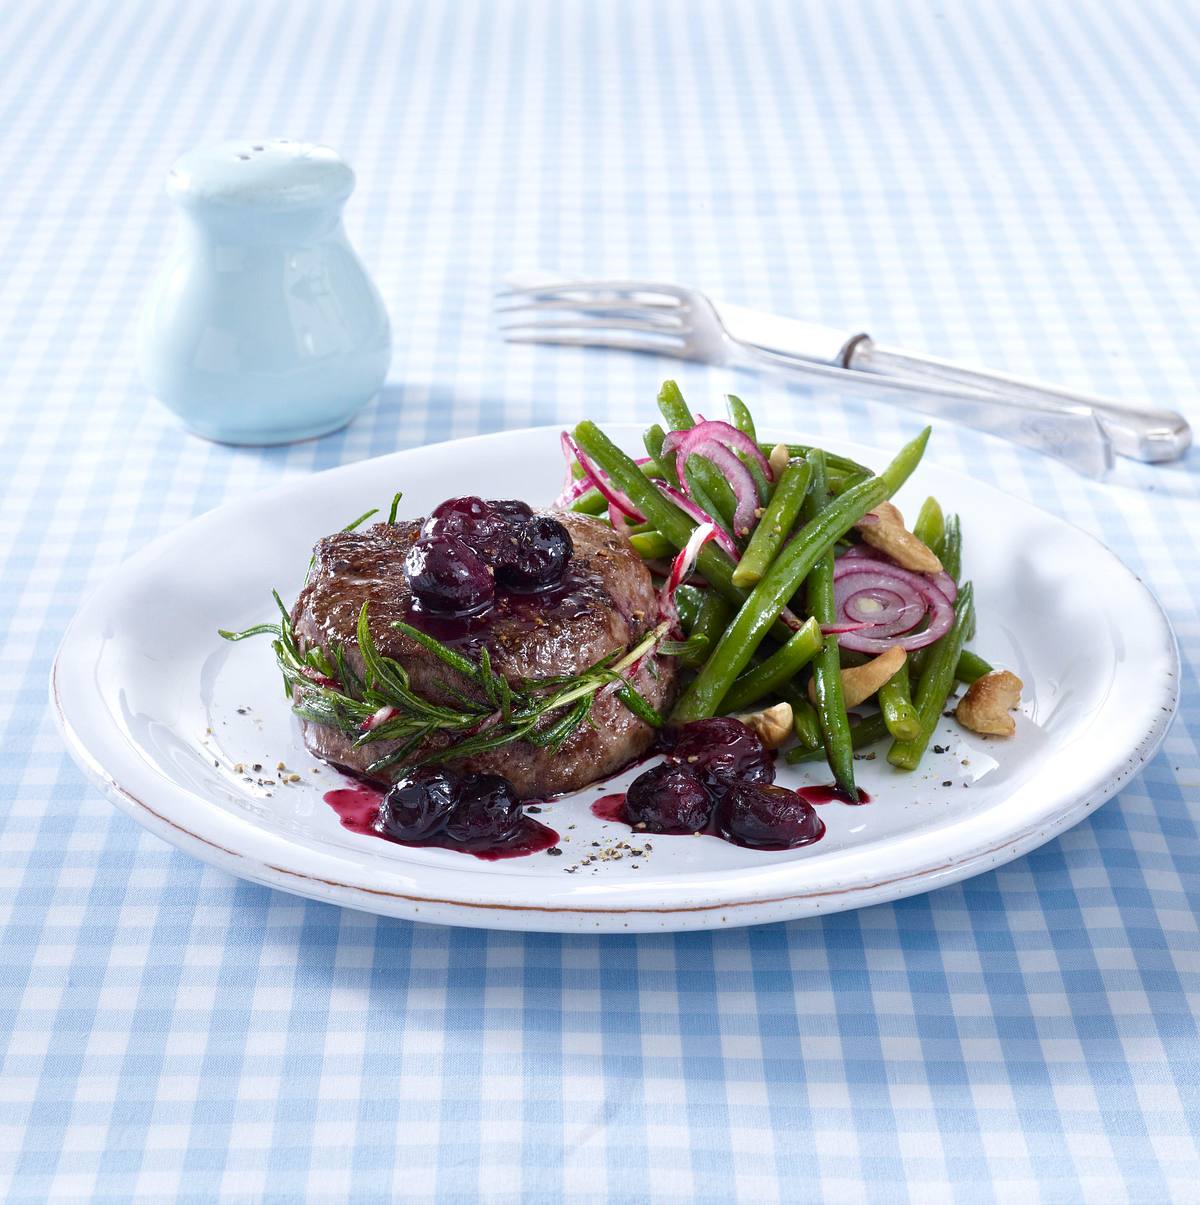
942	869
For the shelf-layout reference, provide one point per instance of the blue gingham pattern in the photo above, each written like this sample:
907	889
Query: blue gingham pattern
1012	183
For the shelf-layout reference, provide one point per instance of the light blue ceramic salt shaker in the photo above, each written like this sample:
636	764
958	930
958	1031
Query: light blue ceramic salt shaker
264	326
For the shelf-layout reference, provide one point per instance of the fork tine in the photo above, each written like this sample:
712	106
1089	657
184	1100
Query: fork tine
623	342
621	289
597	328
532	305
644	326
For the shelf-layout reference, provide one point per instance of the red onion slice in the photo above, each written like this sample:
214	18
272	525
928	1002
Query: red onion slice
595	477
943	581
723	433
572	486
592	479
702	517
891	601
946	584
718	443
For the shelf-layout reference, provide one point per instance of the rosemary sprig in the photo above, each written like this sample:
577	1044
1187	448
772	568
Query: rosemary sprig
380	704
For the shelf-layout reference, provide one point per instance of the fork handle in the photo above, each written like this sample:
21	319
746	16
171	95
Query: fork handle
1138	431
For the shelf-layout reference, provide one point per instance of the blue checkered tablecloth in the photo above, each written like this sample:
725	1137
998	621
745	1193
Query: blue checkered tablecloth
1012	183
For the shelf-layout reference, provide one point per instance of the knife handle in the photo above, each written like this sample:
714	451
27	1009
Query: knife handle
1136	430
1067	432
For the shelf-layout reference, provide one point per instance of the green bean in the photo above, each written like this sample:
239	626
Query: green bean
687	603
698	483
839	484
905	461
594	502
937	680
706	483
865	732
591	503
971	666
950	554
771	595
781	666
653	438
930	525
673	408
764	487
714	565
896	706
652	546
804	716
776	523
950	551
835	466
827	666
739	415
761	609
710	620
951	557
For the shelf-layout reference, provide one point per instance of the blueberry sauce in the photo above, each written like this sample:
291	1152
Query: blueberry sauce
717	779
831	794
807	829
474	555
357	808
572	598
610	807
721	749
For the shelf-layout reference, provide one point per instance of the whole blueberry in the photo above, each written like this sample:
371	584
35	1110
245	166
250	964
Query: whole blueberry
535	555
668	799
512	509
448	577
487	812
458	517
417	808
723	749
485	526
761	816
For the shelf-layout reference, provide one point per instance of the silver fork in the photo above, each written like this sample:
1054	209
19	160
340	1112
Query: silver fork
1078	429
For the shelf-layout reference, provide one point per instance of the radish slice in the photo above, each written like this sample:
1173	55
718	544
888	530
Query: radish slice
379	717
681	570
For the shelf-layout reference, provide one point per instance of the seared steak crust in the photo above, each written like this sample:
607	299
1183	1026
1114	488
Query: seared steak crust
605	604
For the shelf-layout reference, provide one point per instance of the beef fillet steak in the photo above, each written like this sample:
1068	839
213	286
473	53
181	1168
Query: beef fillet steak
604	604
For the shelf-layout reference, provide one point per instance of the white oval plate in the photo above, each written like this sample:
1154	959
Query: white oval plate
160	713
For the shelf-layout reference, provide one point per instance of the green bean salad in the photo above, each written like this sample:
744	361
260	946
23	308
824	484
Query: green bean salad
793	589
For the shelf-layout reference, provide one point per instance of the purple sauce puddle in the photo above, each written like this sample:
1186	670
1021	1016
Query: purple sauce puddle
830	794
612	809
357	808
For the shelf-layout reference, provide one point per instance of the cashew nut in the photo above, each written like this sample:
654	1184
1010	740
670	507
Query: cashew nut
772	725
778	460
985	706
883	528
860	682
